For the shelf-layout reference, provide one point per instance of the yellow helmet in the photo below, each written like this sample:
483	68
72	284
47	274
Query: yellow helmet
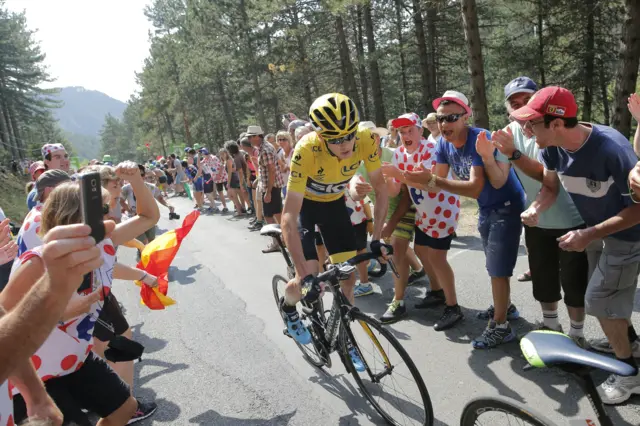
334	115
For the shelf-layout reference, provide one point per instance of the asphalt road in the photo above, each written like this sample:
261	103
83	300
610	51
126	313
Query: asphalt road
219	357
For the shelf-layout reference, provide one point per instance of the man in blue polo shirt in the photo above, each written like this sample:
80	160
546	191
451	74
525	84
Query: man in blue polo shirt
465	150
593	163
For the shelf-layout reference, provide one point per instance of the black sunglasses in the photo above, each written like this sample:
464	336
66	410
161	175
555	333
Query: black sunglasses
450	118
344	139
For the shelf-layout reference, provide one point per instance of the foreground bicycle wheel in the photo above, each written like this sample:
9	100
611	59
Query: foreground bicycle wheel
314	351
497	411
404	400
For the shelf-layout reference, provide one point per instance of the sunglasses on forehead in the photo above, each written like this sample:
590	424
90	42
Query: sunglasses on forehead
449	118
340	141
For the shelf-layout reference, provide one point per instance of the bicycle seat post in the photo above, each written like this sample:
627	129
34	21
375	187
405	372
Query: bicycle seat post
583	375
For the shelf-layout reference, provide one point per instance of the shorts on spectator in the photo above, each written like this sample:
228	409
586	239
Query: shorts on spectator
612	287
274	207
220	186
198	184
208	184
422	239
111	314
553	269
361	235
500	231
149	235
234	183
94	387
405	228
162	179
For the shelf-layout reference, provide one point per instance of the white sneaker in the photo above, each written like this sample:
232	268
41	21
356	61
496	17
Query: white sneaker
617	389
602	345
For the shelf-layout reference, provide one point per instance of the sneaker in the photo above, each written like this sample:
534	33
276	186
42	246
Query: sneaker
617	389
432	299
540	326
253	220
256	226
225	210
493	336
581	341
145	409
449	318
602	345
297	330
356	360
363	289
272	248
394	312
512	313
415	276
211	210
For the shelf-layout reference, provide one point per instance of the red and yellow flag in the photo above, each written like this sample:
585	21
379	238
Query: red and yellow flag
156	259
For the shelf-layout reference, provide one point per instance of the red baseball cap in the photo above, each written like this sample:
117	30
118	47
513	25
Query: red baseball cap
408	119
552	100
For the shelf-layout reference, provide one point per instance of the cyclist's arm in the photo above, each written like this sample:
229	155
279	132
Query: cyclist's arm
291	210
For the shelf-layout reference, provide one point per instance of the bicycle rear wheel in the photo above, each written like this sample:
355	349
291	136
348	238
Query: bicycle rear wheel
497	411
406	401
314	352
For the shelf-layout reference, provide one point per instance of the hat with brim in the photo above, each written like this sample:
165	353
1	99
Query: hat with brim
409	119
380	131
455	97
254	131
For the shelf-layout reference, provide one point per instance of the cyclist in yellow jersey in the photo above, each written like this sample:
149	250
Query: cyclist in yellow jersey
322	165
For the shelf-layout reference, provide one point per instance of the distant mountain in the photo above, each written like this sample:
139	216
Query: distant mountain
82	115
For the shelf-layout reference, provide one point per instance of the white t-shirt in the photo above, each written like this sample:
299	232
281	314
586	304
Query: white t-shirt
355	209
437	212
127	194
70	342
28	236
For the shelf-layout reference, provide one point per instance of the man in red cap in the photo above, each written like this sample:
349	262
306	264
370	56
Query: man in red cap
465	150
593	163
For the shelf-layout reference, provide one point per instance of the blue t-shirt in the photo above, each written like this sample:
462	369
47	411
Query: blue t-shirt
462	160
31	199
595	176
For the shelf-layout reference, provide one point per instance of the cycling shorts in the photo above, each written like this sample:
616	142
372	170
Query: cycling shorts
335	227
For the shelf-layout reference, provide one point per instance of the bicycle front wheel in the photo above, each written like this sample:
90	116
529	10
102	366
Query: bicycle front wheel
391	382
497	411
313	352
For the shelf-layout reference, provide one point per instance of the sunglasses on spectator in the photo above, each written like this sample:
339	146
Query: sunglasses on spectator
340	141
450	118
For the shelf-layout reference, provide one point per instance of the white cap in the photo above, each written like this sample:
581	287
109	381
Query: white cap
453	96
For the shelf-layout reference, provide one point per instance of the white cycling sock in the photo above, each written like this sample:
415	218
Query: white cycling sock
550	319
577	329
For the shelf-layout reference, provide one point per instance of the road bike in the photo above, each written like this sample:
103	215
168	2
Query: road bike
344	329
541	349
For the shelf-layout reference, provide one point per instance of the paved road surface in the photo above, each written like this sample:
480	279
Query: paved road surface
218	357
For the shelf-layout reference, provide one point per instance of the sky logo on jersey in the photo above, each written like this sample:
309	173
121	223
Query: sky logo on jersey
320	188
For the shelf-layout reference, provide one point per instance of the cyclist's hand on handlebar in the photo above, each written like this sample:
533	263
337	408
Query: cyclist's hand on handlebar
310	288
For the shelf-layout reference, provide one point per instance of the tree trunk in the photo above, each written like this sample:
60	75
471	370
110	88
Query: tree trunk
348	77
251	62
541	43
5	134
187	132
12	136
628	69
604	93
422	56
18	134
403	67
167	121
476	65
161	134
364	84
225	108
376	83
302	51
589	62
432	56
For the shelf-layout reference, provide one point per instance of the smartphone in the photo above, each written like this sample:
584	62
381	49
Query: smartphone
92	215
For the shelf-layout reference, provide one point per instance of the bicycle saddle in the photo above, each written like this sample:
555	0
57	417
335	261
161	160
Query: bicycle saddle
271	230
545	348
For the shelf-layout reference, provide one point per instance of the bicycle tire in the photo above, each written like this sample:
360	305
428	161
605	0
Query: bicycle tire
377	273
474	408
320	361
417	377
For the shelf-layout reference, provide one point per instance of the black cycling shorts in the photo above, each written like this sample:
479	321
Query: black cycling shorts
335	227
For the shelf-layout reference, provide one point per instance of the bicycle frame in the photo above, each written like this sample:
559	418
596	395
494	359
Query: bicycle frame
583	375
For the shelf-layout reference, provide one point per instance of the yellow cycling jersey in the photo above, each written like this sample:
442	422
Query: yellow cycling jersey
320	175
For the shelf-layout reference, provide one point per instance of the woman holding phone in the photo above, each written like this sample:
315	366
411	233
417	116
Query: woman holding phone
74	377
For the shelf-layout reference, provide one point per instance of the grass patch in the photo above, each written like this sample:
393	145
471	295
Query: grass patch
13	199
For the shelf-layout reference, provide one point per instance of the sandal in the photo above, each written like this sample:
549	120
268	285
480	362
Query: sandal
525	277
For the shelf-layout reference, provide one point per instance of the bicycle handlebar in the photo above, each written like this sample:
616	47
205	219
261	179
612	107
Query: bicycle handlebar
347	267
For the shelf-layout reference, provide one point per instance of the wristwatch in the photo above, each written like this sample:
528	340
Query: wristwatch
432	181
516	155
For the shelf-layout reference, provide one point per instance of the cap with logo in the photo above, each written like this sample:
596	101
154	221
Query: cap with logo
254	131
35	166
51	147
50	179
552	100
380	131
408	119
453	96
519	85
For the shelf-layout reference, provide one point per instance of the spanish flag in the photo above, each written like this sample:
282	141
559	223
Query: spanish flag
156	259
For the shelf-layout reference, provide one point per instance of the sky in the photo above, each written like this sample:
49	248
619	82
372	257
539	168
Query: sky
96	44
